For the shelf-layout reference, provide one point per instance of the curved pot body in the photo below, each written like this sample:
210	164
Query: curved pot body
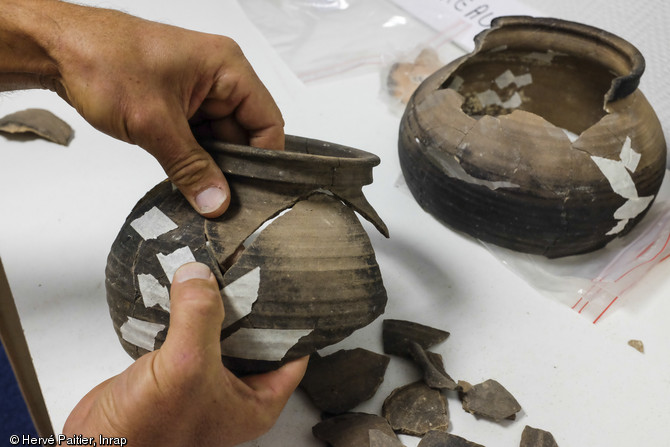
538	141
296	268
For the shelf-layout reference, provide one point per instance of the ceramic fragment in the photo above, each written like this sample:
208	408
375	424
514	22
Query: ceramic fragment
39	122
637	344
398	334
404	77
535	437
308	279
380	439
416	409
432	365
352	430
338	382
483	144
443	439
488	399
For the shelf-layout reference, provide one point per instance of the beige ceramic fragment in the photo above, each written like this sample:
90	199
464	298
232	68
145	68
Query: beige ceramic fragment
39	122
637	344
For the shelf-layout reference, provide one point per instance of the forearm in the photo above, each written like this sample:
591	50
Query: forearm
27	33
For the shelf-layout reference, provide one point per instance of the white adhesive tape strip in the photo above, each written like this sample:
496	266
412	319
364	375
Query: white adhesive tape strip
153	292
629	157
152	224
262	344
618	176
240	296
141	333
174	260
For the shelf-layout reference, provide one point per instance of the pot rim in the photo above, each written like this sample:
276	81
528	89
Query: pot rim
303	161
622	85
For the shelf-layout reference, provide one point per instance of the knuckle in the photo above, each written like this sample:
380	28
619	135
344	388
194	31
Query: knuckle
187	171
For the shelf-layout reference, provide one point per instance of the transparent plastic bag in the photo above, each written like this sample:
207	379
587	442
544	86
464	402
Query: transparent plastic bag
323	38
591	283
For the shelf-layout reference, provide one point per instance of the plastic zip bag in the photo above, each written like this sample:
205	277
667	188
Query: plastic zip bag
591	283
324	38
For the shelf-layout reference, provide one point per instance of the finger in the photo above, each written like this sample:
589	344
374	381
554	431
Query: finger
186	163
196	315
224	129
239	92
276	387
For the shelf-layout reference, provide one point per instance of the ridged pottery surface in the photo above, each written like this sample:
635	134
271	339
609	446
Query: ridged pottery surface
296	268
538	141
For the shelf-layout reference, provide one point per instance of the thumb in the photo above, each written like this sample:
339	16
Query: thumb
188	165
275	387
196	315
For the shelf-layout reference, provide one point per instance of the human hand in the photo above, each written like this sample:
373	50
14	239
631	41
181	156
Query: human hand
182	395
150	84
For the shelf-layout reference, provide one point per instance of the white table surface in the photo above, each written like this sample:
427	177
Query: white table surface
61	208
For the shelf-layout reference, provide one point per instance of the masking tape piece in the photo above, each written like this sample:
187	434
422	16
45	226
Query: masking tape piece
505	79
618	176
240	296
153	292
141	333
628	156
513	102
488	97
152	224
174	260
262	344
456	83
618	228
633	207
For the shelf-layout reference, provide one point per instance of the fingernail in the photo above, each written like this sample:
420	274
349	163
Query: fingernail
210	199
192	270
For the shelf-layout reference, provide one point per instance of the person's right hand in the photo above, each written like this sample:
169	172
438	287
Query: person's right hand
142	82
181	395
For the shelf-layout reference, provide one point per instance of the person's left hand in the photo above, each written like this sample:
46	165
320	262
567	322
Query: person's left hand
182	395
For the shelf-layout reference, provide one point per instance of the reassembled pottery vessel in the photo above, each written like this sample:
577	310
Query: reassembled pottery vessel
307	279
538	141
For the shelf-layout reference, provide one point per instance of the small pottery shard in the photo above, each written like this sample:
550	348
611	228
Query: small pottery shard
405	77
442	439
488	399
637	344
535	437
398	334
416	409
338	382
39	122
432	365
353	430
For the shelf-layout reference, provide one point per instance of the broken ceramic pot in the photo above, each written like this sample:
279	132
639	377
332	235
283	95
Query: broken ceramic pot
539	141
296	269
